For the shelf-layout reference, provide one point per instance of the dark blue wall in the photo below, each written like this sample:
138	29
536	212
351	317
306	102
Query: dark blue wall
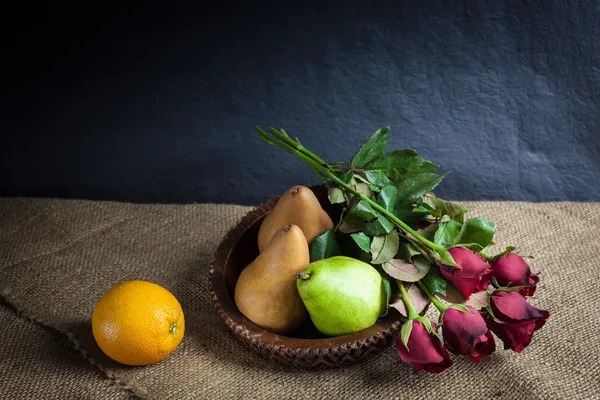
158	104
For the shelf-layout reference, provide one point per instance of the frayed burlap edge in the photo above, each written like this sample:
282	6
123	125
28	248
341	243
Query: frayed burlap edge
74	344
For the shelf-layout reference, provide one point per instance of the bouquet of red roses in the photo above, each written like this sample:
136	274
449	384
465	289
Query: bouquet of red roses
427	252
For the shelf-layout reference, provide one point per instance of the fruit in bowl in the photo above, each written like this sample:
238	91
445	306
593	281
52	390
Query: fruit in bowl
305	346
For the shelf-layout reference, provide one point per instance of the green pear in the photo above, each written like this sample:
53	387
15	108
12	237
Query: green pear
297	206
342	294
266	290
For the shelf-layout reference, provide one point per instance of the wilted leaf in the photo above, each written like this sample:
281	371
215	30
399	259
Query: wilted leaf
447	234
406	271
362	240
373	148
336	195
477	231
384	247
452	294
478	300
324	246
387	198
364	189
406	251
380	226
435	282
417	298
429	232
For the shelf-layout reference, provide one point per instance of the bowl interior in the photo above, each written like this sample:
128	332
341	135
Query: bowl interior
244	250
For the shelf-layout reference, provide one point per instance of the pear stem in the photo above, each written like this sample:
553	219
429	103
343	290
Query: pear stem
303	276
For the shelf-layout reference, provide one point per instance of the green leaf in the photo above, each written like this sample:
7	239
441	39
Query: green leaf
377	178
417	184
460	307
447	234
453	210
373	148
398	163
324	246
336	195
387	287
380	226
405	332
347	228
404	211
477	231
387	198
407	271
384	247
347	177
360	213
435	282
362	240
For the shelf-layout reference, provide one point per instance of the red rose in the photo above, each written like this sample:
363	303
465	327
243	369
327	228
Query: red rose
425	350
512	270
515	319
473	273
467	333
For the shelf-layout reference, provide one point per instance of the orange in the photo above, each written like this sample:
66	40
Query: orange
138	323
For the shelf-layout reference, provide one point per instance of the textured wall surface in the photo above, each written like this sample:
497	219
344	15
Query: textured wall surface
158	104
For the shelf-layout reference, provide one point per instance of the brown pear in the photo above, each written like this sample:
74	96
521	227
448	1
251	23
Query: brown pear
266	291
298	206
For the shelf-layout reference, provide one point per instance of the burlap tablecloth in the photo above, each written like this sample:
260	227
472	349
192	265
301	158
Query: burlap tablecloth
57	257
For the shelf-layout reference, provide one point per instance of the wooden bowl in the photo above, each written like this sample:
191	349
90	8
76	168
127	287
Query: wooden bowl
305	347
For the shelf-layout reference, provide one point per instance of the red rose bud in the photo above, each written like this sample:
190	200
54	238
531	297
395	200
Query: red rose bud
512	270
467	333
473	273
425	350
515	319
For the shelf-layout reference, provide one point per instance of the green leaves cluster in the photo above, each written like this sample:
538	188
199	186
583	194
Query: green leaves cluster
391	218
475	234
399	181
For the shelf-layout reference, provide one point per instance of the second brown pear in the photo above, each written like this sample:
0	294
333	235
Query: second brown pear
298	206
266	291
